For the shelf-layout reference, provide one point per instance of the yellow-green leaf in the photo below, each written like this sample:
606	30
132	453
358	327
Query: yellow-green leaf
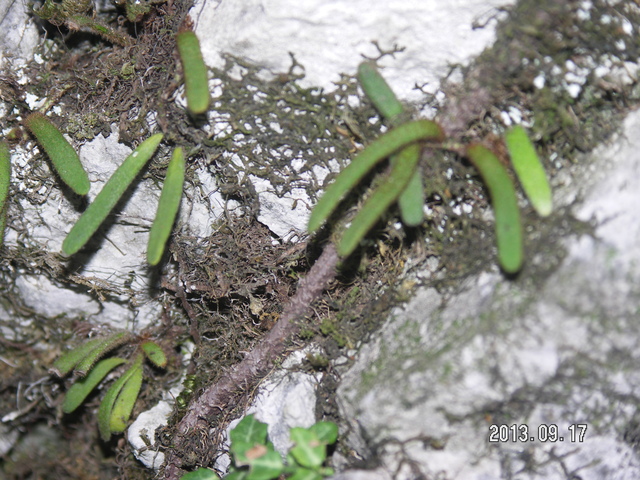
378	150
195	73
168	207
127	397
63	157
154	353
505	206
5	179
529	170
82	388
105	411
108	197
69	360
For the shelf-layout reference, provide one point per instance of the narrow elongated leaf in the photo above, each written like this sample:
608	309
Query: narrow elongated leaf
379	149
63	157
374	85
106	406
411	199
529	170
168	207
112	191
82	388
104	345
127	397
69	360
378	90
195	72
505	206
5	179
375	206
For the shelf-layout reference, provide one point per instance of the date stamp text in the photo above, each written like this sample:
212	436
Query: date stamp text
551	433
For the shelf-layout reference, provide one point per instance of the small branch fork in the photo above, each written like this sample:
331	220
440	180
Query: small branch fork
257	363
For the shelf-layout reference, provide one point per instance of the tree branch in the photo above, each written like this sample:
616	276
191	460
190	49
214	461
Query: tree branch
257	363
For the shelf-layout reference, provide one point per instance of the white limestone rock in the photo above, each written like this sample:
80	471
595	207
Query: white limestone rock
443	370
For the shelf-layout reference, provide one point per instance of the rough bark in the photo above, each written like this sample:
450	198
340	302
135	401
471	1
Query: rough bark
258	362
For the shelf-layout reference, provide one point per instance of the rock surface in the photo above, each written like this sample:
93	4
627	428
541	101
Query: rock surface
450	381
543	352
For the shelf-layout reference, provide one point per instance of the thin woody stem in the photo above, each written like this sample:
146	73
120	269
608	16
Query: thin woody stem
258	361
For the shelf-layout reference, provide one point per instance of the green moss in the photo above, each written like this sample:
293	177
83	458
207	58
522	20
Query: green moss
330	328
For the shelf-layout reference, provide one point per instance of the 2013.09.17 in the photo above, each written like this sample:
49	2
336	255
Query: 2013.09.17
575	432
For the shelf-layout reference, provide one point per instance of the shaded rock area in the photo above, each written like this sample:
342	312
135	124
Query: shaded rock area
530	378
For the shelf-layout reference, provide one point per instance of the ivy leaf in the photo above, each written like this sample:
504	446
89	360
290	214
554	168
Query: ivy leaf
308	451
327	432
248	432
202	474
305	474
265	465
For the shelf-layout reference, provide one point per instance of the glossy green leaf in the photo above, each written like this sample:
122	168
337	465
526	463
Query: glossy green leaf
69	360
82	388
108	197
235	474
327	432
103	346
127	397
248	432
106	406
308	450
155	354
305	474
201	474
195	73
411	199
529	170
378	203
168	207
378	90
63	157
5	179
505	207
105	410
379	149
265	466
